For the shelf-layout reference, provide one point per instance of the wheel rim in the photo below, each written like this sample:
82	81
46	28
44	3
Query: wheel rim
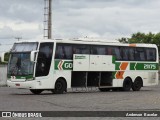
59	86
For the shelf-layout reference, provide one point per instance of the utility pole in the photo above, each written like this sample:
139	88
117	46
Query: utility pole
47	19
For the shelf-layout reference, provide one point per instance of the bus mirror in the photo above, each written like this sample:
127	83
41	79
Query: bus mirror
33	55
4	57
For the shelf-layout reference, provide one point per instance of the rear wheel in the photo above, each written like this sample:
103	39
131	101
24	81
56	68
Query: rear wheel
60	87
137	84
35	91
104	89
127	84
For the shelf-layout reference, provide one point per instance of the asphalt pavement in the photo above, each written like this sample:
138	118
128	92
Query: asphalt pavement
148	99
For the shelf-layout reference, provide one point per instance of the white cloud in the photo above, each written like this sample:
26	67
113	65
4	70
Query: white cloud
110	19
21	25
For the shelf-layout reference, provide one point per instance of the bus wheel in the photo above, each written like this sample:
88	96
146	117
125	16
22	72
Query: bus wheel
60	86
137	84
127	84
104	89
34	91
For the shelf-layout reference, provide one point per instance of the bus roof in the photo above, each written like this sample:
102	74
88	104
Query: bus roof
90	41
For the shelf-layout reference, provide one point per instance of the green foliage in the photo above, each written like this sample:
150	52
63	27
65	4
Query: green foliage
123	40
137	38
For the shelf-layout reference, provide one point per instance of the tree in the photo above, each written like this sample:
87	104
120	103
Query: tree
137	38
149	38
156	40
123	40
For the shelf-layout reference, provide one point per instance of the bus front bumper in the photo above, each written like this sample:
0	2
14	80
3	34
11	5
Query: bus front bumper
23	85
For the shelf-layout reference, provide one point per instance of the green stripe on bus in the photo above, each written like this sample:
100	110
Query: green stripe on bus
117	65
113	59
63	65
144	66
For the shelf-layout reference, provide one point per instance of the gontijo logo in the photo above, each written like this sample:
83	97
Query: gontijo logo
63	65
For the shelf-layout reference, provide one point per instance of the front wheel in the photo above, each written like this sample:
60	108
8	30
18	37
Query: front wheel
34	91
60	87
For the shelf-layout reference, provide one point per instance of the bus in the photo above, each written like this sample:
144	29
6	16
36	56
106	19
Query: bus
57	65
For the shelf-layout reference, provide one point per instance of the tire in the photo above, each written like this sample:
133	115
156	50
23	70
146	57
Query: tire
60	87
104	89
35	91
127	84
137	84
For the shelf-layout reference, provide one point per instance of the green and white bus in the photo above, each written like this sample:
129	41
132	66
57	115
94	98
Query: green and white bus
57	65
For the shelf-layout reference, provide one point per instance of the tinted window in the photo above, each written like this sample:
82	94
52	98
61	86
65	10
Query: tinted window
81	49
117	53
66	51
151	54
125	53
44	59
131	54
99	50
63	51
140	54
109	51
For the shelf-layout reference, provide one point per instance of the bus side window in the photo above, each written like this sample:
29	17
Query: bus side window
125	53
98	50
151	54
137	55
101	50
81	49
109	50
59	52
68	52
140	54
131	54
63	51
76	50
94	50
117	53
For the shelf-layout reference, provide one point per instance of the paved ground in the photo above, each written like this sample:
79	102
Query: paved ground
22	100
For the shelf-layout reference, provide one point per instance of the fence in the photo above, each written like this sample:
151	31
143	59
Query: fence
3	75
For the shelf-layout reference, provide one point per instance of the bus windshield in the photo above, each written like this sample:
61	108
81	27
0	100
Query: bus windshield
24	47
20	65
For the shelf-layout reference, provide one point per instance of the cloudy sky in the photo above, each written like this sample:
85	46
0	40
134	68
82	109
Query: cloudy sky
109	19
